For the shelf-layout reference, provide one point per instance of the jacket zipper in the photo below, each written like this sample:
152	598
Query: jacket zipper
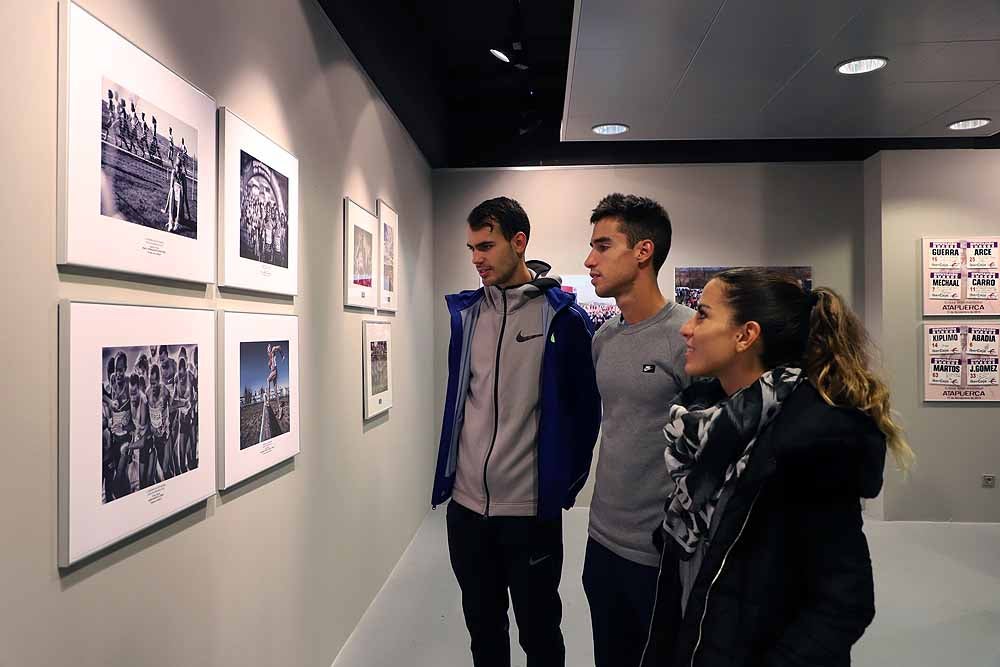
496	403
656	598
704	610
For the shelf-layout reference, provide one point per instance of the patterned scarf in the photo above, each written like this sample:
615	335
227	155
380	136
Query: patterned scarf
709	442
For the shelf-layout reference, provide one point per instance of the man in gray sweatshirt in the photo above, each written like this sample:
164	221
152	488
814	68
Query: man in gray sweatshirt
639	359
521	417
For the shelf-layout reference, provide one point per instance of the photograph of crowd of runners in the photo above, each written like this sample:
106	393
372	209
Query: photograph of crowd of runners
149	164
690	281
149	421
265	391
263	212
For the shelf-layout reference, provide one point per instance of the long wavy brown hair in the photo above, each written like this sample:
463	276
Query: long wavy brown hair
817	331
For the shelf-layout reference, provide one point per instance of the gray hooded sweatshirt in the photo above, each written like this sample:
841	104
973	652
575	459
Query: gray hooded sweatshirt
497	473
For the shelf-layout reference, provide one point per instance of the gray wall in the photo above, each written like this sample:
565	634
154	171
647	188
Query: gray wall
279	571
927	193
722	215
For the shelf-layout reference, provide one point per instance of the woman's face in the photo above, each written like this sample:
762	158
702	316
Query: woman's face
711	335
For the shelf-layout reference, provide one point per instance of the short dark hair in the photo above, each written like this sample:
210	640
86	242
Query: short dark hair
503	212
640	218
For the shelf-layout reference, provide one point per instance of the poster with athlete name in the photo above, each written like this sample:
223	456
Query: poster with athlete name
961	362
961	276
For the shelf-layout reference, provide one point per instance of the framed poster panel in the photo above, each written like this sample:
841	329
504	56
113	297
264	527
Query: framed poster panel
961	275
136	420
690	281
259	393
136	167
360	238
377	363
258	210
962	361
388	294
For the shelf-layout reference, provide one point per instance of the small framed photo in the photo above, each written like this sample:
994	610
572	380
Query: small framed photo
259	393
360	236
388	292
136	420
136	166
258	210
377	363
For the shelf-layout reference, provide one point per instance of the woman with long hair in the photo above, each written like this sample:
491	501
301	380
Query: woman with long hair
764	562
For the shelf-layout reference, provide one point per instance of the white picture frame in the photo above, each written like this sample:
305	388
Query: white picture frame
360	245
131	198
104	498
259	237
388	275
377	367
245	448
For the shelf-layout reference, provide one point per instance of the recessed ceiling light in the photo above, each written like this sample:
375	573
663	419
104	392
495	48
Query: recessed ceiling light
862	65
969	124
500	55
610	128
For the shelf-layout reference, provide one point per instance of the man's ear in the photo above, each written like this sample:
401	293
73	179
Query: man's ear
520	242
644	250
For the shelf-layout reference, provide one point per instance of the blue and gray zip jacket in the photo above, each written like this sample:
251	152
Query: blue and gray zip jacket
568	413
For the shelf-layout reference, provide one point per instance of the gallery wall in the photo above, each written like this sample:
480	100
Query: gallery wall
931	193
279	570
745	214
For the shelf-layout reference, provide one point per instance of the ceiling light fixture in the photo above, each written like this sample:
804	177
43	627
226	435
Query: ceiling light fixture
610	128
500	55
969	124
862	65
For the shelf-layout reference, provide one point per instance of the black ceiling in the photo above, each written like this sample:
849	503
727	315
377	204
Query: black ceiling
465	108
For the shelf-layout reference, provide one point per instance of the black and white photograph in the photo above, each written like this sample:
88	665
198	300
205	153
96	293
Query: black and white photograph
263	212
136	163
388	258
137	427
379	353
265	396
362	273
690	281
149	163
149	416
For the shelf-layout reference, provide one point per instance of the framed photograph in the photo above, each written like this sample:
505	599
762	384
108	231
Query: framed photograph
961	361
377	363
690	281
361	231
601	309
961	275
388	294
259	393
136	167
136	420
258	210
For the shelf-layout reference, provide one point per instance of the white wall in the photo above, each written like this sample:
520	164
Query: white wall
741	214
279	571
934	193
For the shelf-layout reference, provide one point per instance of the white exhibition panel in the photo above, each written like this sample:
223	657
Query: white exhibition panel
388	275
359	260
961	275
236	462
961	361
91	54
87	523
236	137
377	381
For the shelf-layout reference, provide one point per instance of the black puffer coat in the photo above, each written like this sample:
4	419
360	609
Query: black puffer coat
787	580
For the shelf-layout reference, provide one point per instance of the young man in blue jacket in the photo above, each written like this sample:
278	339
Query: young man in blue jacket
521	417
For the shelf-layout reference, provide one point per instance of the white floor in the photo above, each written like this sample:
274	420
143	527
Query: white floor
937	594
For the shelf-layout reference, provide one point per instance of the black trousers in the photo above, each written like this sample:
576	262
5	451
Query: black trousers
621	594
523	555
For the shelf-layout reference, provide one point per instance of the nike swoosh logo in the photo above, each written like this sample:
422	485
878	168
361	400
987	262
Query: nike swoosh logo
536	561
521	338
